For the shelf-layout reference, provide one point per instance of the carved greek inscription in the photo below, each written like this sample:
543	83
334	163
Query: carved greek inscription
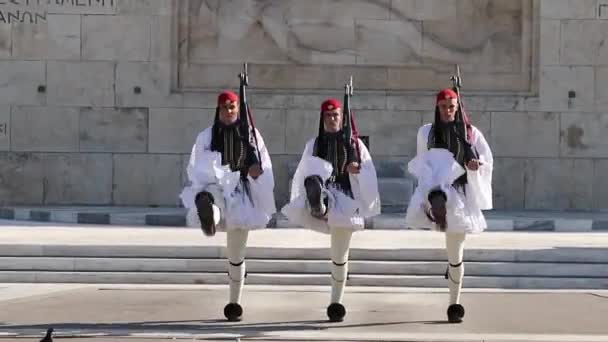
36	11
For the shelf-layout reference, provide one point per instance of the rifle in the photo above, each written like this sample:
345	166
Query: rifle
350	129
246	120
461	123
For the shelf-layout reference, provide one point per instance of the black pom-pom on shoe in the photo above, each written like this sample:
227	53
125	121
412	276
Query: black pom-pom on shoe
455	313
438	210
314	190
204	207
233	312
336	312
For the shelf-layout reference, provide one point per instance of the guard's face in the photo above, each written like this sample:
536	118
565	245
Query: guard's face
229	112
332	120
447	109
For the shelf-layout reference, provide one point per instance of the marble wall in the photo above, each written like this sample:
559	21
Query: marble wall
100	102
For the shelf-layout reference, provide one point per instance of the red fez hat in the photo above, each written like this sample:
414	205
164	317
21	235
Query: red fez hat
227	96
446	94
330	104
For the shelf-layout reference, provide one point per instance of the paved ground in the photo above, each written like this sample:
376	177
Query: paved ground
153	313
41	234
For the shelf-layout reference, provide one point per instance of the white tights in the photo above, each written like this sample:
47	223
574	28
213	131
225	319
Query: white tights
454	243
236	245
340	244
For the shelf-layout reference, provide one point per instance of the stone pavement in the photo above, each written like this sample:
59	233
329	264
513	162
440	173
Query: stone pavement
498	220
41	234
275	313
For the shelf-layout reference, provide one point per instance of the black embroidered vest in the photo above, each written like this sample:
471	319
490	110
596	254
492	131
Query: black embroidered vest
332	148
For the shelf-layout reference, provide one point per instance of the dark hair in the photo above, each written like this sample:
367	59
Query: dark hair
215	131
459	118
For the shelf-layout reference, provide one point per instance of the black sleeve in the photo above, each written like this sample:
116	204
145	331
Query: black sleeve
252	155
351	154
470	152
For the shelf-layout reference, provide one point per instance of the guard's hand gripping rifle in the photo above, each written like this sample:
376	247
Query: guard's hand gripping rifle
461	122
351	136
247	126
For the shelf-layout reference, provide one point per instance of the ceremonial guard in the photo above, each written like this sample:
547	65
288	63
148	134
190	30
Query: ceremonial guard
334	189
453	165
231	184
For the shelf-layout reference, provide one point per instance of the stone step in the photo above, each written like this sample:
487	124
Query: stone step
279	266
395	193
498	220
298	256
299	279
554	255
395	167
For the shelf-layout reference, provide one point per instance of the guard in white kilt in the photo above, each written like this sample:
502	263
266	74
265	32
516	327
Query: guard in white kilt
231	187
453	165
333	190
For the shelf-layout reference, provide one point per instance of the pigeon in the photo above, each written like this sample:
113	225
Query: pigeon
48	337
